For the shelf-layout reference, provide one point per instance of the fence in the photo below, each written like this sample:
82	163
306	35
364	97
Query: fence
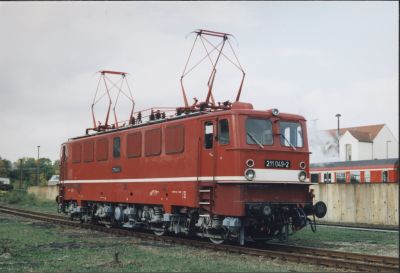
44	192
373	204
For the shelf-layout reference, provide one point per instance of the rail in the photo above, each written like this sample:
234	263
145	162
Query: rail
315	256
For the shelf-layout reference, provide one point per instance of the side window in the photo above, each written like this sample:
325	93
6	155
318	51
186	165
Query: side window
134	145
88	151
208	134
152	144
174	139
117	147
102	149
327	177
76	152
314	177
384	176
341	177
355	176
223	132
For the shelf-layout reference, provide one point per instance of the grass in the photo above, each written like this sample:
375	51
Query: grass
30	246
361	241
23	200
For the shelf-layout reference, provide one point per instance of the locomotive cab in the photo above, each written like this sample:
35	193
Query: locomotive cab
259	162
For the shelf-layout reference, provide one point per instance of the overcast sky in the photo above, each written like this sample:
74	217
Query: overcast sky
316	59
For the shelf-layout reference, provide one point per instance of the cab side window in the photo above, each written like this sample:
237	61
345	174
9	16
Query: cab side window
117	147
223	132
208	134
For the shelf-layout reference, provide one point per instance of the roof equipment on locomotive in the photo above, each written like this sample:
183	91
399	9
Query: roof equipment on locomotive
222	171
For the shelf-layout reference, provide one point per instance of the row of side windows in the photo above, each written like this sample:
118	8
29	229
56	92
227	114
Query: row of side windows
174	143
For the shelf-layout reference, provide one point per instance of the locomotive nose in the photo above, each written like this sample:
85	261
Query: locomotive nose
320	209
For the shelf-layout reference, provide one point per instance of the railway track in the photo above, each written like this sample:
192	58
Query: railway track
363	227
320	257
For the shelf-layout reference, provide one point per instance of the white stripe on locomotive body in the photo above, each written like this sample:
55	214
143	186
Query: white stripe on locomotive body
277	175
262	176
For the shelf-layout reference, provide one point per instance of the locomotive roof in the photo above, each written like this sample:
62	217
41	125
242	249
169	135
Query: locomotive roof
267	113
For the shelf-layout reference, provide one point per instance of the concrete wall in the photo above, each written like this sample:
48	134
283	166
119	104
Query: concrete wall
44	192
375	204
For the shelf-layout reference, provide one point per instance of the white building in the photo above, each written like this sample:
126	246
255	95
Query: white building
364	143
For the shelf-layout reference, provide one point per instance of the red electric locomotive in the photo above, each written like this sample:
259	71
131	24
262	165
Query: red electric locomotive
223	171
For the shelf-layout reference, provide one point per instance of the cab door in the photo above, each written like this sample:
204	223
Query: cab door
207	156
63	163
224	157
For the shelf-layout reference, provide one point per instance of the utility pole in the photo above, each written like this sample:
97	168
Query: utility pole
338	135
37	166
20	174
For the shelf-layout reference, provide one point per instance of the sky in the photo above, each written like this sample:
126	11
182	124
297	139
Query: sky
315	59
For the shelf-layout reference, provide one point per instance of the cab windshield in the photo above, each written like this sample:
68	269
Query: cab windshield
259	131
291	134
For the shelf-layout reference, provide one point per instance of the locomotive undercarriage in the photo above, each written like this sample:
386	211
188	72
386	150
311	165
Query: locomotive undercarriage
263	221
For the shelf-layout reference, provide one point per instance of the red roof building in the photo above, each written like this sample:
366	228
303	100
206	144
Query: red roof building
361	143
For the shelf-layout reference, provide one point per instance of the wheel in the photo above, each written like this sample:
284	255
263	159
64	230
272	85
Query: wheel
159	232
217	236
216	241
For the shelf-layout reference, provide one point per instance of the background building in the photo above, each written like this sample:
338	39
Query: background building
362	143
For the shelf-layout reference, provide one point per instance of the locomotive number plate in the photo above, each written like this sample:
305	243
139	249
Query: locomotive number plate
284	164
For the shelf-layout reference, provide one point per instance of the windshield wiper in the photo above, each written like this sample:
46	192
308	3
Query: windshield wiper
255	140
291	145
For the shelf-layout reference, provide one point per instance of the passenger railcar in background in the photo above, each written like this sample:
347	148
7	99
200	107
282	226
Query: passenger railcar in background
362	171
220	171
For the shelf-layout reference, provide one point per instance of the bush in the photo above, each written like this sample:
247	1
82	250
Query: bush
18	197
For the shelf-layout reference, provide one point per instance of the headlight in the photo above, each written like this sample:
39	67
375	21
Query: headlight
267	210
302	165
302	176
250	174
275	112
250	163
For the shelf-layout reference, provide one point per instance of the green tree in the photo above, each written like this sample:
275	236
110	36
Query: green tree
24	171
46	170
56	167
5	167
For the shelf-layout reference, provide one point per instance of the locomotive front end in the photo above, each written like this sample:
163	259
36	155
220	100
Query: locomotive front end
271	190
